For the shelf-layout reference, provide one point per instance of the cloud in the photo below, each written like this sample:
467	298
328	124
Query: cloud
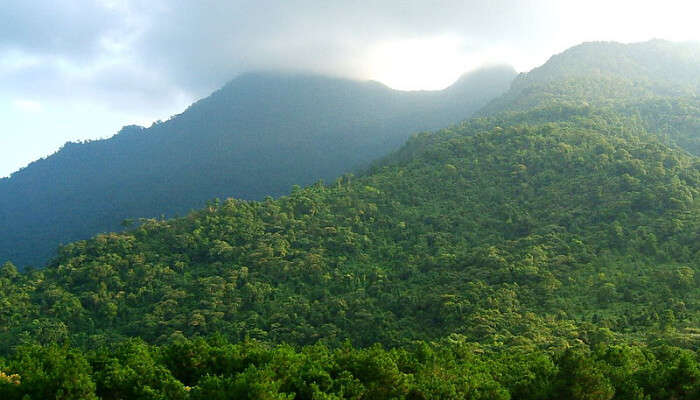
60	27
147	59
201	44
196	46
116	51
27	105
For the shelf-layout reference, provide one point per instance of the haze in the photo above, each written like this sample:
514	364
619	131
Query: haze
75	70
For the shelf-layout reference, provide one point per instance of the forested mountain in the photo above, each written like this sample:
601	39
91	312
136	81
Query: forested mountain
255	137
494	222
657	81
550	252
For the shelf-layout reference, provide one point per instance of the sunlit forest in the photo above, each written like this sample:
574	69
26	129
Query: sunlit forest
547	247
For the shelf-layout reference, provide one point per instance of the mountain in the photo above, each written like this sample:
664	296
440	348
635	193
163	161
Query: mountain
522	257
542	253
564	218
658	82
258	136
600	73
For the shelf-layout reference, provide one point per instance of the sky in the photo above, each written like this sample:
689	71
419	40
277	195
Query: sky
75	70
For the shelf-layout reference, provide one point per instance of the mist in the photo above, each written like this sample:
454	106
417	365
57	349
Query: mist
71	70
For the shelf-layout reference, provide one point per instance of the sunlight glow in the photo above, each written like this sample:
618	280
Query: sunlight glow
27	105
430	63
434	62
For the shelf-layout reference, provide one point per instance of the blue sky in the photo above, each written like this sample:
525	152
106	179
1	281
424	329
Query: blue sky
75	70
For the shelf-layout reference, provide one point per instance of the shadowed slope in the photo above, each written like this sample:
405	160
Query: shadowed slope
255	137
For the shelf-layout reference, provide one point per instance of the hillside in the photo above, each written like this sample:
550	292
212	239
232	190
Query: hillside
515	243
656	81
255	137
494	222
550	252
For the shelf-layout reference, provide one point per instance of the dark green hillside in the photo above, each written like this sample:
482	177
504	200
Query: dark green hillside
255	137
450	369
522	232
545	253
537	257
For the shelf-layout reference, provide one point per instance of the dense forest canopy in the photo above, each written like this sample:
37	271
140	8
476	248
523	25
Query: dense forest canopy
257	136
549	251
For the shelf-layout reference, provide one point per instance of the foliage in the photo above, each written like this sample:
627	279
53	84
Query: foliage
255	137
215	369
531	231
657	81
551	252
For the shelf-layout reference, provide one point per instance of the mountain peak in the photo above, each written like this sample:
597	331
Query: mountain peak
599	73
482	78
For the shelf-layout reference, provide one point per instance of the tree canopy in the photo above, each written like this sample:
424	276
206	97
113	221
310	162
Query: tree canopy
551	252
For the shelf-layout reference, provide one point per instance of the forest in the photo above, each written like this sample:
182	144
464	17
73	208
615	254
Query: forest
257	136
547	248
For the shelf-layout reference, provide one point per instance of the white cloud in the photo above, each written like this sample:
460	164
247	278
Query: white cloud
27	105
147	59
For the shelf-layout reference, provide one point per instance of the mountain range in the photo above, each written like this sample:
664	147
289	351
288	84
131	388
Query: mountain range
546	248
257	136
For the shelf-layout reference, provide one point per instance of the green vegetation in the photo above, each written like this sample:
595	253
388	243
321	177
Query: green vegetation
480	230
548	253
450	369
257	136
656	81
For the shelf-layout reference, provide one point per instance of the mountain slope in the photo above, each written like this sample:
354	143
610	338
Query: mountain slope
256	137
524	224
548	253
606	72
656	81
526	232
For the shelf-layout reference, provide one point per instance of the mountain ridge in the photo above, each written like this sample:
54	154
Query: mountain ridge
656	82
257	136
544	253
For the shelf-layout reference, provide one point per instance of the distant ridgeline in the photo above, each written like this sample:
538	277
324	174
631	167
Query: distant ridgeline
257	136
657	82
549	249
